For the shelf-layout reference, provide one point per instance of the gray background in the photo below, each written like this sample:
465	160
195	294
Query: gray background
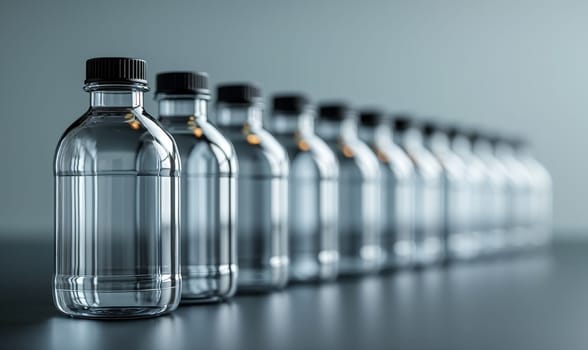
512	66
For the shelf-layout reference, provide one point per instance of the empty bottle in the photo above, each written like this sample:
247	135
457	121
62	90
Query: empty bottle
397	188
459	186
262	183
519	189
116	202
208	185
360	228
312	188
540	205
428	195
495	196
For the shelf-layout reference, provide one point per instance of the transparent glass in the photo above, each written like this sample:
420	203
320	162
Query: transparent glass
208	200
116	211
312	207
541	193
519	215
459	186
496	198
397	197
360	227
428	198
262	204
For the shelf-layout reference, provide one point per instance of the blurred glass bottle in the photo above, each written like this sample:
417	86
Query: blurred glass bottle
208	188
116	202
262	185
428	192
519	188
541	193
495	196
360	228
459	186
397	188
312	219
480	181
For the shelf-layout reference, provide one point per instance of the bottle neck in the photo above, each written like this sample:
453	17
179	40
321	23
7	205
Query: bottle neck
106	96
228	115
411	137
287	124
172	107
332	130
461	145
438	141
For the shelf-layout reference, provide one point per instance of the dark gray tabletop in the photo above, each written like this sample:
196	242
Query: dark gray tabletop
537	301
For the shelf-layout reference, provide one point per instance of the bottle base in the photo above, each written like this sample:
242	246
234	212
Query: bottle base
208	284
262	280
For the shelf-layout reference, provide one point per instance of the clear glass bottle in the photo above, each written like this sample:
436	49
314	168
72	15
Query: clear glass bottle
459	186
541	193
495	196
397	188
208	185
519	188
428	192
360	227
262	185
116	202
312	218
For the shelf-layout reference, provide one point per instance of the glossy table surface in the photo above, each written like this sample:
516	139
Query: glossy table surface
533	301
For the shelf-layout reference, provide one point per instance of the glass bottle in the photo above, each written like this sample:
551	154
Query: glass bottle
428	192
397	188
495	195
116	202
262	185
360	228
208	185
519	188
312	188
540	203
459	186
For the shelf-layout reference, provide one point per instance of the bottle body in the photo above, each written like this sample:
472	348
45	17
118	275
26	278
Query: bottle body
496	198
262	204
208	201
541	193
459	200
359	223
312	186
428	199
116	213
396	195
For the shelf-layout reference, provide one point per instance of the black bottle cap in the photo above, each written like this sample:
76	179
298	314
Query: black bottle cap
182	83
402	122
372	116
290	103
334	110
429	127
116	70
474	135
453	131
245	93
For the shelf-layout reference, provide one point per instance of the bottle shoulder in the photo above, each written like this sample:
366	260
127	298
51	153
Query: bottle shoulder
258	153
355	158
117	140
203	149
309	155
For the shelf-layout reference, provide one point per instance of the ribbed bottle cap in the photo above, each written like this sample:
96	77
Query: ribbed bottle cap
116	70
372	116
334	110
182	83
244	93
290	103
